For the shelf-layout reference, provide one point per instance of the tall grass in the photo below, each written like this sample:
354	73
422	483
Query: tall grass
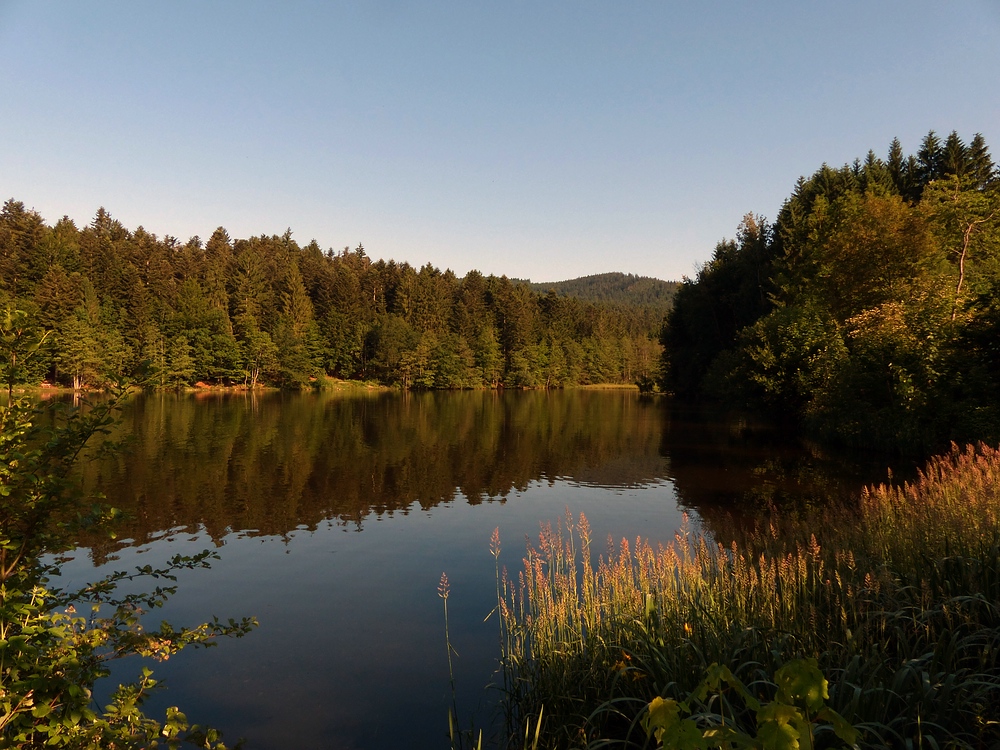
898	599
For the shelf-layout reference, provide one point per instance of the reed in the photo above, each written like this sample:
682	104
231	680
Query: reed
898	599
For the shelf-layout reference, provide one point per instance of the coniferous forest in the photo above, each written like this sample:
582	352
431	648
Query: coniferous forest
625	288
868	312
266	311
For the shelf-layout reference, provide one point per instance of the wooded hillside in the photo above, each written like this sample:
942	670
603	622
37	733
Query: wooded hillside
266	310
622	288
869	311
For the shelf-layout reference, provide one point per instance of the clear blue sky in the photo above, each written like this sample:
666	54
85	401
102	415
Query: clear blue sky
534	139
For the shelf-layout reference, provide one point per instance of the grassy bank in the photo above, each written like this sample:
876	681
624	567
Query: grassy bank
608	387
897	598
329	384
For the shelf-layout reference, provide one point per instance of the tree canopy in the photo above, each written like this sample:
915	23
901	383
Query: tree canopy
265	310
622	288
869	311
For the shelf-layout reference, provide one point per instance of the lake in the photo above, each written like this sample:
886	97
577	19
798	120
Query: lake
334	518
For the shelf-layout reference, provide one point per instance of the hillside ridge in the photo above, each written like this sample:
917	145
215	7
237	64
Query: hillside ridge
615	287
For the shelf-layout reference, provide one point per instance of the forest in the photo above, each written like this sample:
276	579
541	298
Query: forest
266	311
622	288
868	312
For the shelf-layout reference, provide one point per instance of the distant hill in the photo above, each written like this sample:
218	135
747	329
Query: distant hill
620	288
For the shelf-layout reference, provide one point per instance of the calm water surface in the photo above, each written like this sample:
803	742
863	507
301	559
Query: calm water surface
334	518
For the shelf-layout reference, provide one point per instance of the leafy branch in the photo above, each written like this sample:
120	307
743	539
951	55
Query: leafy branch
789	722
51	656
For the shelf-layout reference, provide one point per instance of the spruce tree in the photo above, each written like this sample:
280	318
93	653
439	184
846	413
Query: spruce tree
896	166
954	156
981	169
930	159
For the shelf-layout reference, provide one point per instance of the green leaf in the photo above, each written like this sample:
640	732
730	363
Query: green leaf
801	680
774	735
685	735
841	727
661	714
663	720
727	737
781	723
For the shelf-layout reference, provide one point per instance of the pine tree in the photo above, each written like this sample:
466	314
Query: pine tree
153	353
295	303
896	167
874	175
21	233
180	362
258	354
489	357
79	349
981	170
56	295
252	294
61	245
218	261
80	339
930	159
296	336
424	360
954	156
554	357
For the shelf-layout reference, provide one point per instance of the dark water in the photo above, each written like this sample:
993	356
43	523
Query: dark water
334	518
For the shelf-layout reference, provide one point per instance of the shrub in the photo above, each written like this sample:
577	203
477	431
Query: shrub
55	644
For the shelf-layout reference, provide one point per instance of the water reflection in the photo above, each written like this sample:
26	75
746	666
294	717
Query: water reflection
275	462
735	473
350	622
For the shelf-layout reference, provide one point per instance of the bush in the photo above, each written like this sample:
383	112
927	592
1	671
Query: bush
55	644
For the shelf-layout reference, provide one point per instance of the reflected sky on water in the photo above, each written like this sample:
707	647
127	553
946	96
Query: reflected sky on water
335	517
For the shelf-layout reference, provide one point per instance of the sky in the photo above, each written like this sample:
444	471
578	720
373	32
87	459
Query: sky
537	140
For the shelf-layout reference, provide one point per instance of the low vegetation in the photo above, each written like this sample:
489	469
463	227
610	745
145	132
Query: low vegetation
57	643
897	599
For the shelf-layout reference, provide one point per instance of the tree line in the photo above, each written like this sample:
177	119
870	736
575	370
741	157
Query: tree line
618	288
266	310
869	311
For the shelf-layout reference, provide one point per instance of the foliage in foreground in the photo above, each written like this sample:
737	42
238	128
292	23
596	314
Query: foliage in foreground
56	644
794	719
898	600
